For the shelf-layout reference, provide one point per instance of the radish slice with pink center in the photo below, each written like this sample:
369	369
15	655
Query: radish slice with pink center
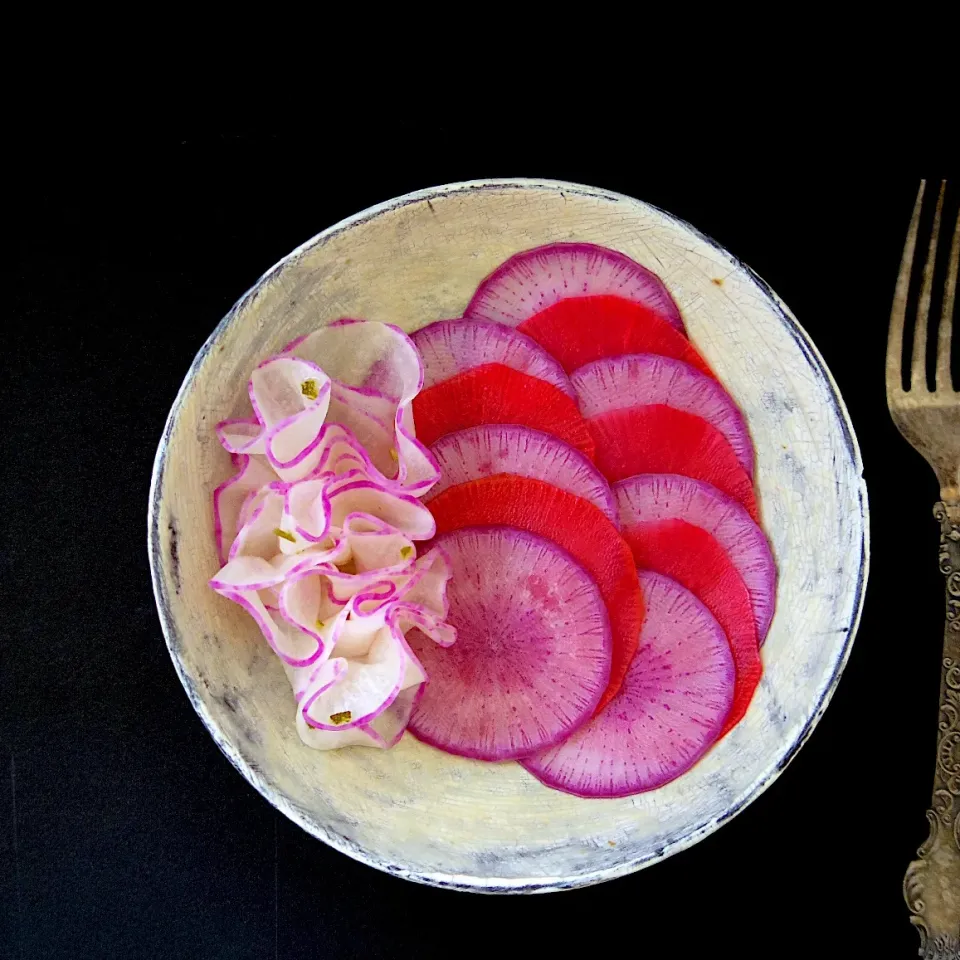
637	380
377	372
653	497
536	279
668	713
490	449
449	347
533	649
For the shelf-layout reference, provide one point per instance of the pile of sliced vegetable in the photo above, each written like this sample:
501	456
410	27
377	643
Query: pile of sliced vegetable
568	406
576	507
318	530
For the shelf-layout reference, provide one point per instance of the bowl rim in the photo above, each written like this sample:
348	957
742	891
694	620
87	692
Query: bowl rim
338	841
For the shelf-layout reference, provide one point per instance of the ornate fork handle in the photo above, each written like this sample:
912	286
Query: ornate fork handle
932	883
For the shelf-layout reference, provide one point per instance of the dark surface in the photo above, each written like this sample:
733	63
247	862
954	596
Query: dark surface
125	833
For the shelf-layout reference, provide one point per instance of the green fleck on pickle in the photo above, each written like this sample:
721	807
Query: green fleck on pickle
406	552
309	389
394	456
321	624
342	717
285	535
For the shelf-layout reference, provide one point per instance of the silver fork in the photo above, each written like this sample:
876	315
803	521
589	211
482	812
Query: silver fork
930	421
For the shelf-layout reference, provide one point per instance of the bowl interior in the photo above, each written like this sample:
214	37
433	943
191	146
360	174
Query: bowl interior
415	811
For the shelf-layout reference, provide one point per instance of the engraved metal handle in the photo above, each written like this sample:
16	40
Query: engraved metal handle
931	886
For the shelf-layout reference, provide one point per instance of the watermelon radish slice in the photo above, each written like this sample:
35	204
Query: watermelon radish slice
449	347
572	523
660	439
501	448
532	656
694	559
668	713
655	497
577	332
637	380
536	279
494	393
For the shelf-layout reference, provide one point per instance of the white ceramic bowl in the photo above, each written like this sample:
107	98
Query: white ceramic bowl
414	811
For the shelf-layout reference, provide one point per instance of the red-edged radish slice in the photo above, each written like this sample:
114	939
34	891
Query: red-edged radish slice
376	373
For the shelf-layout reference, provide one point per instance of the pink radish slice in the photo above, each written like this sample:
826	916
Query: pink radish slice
642	379
533	649
536	279
449	347
661	496
506	448
668	713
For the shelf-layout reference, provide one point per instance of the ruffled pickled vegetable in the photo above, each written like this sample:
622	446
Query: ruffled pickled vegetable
318	530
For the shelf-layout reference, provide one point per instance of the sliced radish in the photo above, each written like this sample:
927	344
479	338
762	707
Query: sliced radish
363	680
230	496
660	439
377	372
241	435
570	522
654	497
494	393
694	559
637	380
533	647
577	332
668	713
489	449
536	279
449	347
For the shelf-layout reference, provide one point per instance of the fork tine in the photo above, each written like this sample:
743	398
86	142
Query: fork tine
944	381
899	309
918	369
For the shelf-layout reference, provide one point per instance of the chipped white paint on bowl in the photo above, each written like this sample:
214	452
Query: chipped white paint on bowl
416	812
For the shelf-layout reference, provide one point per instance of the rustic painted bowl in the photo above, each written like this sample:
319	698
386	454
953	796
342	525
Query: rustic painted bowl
414	811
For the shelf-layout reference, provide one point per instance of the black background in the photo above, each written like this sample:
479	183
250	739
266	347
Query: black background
125	833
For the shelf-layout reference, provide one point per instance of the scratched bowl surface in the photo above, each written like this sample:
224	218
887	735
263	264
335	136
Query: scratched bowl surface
414	811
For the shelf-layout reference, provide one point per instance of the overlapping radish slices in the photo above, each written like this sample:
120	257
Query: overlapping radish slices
611	587
318	529
576	507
